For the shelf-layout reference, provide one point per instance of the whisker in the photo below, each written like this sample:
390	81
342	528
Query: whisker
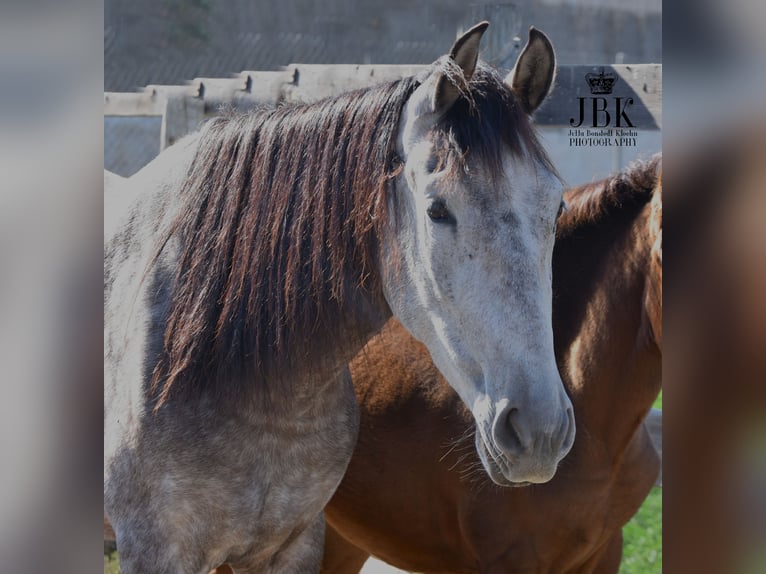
459	442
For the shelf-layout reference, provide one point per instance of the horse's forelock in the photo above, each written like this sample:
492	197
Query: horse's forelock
484	124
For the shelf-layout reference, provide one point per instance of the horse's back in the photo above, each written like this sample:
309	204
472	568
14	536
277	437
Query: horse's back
111	182
131	201
115	201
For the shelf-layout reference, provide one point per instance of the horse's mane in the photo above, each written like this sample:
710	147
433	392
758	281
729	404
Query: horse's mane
592	202
282	213
599	216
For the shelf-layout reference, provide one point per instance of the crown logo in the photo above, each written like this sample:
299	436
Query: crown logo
600	83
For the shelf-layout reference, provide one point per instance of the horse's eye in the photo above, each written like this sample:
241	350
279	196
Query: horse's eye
438	212
562	209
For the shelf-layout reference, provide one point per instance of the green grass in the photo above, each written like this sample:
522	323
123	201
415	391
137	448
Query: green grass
642	547
111	565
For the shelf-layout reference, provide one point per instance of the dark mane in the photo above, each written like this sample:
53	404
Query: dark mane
279	231
592	202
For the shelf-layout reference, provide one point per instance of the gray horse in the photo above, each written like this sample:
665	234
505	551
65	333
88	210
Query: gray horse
249	262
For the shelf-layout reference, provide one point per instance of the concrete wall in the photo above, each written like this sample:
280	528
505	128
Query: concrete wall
130	142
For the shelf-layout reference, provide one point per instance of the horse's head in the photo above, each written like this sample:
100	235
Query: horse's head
469	257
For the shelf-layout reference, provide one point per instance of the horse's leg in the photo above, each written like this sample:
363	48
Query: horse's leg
302	554
609	559
340	556
140	553
146	543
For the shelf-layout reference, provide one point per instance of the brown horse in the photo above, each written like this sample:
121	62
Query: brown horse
414	495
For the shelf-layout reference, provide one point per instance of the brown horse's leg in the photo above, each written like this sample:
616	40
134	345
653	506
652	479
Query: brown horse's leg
340	556
610	557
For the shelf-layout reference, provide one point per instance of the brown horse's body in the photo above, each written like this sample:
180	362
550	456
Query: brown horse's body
415	494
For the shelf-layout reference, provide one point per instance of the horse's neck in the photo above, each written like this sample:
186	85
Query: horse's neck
611	362
321	370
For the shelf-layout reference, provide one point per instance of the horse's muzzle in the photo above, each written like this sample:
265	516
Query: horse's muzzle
523	447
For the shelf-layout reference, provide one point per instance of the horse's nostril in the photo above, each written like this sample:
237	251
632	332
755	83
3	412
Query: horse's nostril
518	433
510	435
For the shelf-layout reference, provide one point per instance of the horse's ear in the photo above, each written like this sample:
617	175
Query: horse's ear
442	86
532	76
465	53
